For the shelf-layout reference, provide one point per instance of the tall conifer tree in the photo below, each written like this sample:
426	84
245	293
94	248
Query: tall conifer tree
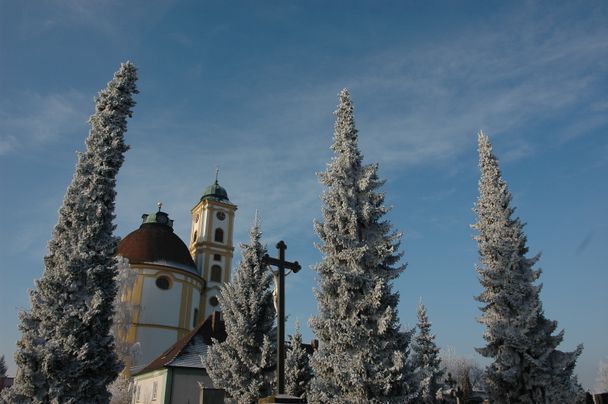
297	366
124	309
362	353
238	365
526	367
425	359
66	353
3	367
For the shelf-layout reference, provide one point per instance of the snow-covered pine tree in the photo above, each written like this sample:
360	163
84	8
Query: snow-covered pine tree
3	370
3	367
120	389
238	364
425	359
362	355
66	353
297	366
123	310
526	367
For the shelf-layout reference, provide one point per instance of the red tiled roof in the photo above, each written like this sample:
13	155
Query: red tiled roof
154	242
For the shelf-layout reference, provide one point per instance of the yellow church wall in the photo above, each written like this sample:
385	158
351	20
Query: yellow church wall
162	316
161	306
206	236
203	248
195	303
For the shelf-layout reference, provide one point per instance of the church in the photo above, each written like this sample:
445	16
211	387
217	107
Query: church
175	300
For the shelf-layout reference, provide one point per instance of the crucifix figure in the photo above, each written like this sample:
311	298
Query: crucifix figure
279	276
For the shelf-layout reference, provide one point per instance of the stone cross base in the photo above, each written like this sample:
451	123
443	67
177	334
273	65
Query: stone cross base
280	399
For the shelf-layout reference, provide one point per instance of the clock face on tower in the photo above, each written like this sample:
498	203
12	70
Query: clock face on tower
220	215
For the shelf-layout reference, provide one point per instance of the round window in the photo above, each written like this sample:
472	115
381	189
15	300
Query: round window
213	301
221	215
163	282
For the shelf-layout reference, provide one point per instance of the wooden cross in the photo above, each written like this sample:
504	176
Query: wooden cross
281	265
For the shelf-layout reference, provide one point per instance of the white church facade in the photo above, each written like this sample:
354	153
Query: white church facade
177	285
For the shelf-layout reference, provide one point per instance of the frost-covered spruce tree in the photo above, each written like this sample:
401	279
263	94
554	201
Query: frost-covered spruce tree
362	353
238	364
526	367
66	353
3	370
124	309
3	367
425	359
297	366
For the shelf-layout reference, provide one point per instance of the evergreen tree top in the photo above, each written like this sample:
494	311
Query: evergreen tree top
66	353
3	367
423	320
345	133
238	364
527	366
362	353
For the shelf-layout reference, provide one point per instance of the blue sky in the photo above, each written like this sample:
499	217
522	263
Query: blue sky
251	87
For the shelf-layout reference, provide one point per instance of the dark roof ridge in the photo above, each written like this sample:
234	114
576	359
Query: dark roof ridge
211	328
154	242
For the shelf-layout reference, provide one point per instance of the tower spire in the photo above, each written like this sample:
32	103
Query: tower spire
217	173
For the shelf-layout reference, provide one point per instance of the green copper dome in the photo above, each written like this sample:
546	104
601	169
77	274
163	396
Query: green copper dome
156	243
217	192
157	217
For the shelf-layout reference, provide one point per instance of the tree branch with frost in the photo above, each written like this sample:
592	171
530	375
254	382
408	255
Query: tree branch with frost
66	352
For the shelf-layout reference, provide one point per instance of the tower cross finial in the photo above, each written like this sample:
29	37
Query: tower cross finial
217	172
160	205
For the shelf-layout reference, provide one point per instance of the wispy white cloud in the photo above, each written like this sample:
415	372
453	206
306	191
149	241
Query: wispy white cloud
183	39
33	119
106	17
7	144
279	182
516	150
430	100
40	19
417	104
413	106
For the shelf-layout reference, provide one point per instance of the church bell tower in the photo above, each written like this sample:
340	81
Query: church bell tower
211	244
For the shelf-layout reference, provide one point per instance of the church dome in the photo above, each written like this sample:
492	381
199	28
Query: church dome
217	192
156	243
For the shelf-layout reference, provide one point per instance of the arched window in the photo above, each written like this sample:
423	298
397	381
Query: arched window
219	235
194	236
216	273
